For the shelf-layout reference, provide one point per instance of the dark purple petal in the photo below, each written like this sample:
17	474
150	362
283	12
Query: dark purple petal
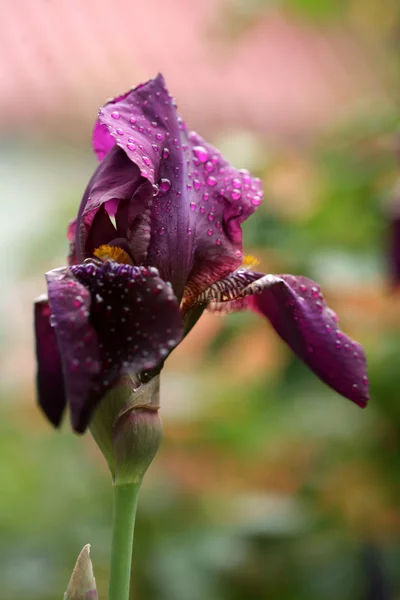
201	200
394	249
115	182
297	311
77	340
50	381
110	319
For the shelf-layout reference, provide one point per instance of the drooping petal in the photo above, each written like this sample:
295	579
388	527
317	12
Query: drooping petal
77	340
201	200
110	319
297	311
50	380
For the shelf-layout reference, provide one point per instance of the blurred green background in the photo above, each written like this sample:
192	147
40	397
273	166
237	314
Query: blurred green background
268	484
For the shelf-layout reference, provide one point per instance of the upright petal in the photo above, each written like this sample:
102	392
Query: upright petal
116	181
200	200
296	309
110	319
50	380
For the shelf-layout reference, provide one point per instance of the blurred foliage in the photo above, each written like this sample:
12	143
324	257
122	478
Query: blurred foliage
276	488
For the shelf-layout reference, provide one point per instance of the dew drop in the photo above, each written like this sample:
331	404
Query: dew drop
206	196
209	231
211	181
189	231
236	183
146	160
218	242
165	153
211	216
236	195
193	206
115	114
131	146
196	184
200	153
209	166
165	184
155	147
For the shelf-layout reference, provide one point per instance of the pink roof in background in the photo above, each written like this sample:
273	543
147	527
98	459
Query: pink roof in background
59	60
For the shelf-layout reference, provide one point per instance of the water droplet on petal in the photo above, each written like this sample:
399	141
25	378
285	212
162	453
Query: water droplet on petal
155	147
196	184
115	114
236	183
165	184
218	242
211	181
146	160
211	216
200	153
235	195
206	196
209	166
193	206
131	146
209	231
133	120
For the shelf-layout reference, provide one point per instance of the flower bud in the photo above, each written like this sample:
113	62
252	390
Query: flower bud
82	585
137	435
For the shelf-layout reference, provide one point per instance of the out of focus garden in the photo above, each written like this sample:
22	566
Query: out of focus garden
268	484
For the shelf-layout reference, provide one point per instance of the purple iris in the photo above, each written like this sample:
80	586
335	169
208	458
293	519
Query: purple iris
157	240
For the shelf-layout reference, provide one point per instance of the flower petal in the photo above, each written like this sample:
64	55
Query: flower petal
201	200
50	380
77	340
115	182
110	319
297	311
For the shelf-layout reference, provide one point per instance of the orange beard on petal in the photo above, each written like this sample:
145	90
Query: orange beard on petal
114	253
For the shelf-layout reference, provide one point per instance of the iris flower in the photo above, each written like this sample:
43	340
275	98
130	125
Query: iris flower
157	240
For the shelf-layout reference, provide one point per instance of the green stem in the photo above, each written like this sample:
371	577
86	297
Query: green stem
125	504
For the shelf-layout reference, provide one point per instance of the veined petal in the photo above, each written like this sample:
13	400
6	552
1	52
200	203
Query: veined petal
200	200
297	311
50	380
110	319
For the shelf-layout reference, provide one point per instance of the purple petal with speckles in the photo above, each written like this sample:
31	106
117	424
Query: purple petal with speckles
196	214
109	319
50	380
297	311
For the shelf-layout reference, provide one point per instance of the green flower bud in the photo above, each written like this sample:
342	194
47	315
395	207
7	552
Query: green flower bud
137	435
82	585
